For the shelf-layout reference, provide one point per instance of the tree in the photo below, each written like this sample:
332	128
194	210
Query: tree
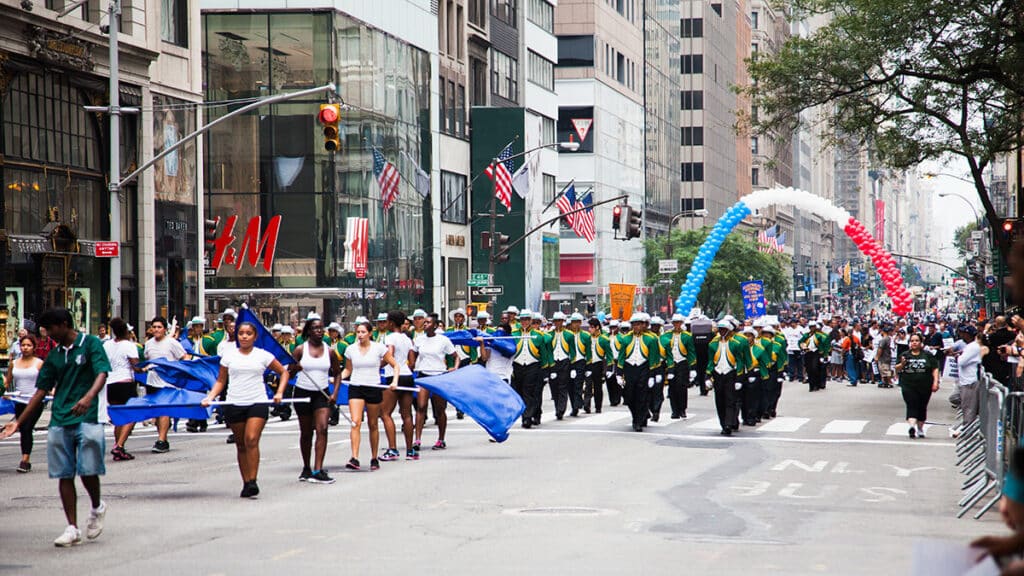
962	237
737	261
916	79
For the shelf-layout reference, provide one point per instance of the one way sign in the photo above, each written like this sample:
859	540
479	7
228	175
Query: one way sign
478	293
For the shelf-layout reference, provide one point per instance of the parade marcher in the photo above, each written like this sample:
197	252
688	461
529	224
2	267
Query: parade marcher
401	349
512	318
496	362
196	333
161	346
611	379
578	364
562	343
814	344
594	371
212	340
433	349
755	376
725	363
363	361
467	354
793	332
123	355
75	442
638	355
528	369
656	394
680	358
241	371
703	331
333	334
773	391
419	317
21	378
919	378
314	367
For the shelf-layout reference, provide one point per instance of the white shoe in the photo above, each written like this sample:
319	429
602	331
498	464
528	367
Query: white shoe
920	432
95	526
72	536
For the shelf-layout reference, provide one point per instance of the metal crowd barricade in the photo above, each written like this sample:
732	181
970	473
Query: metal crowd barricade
983	444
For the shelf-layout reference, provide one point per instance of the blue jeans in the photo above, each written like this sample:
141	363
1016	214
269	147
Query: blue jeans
76	449
852	368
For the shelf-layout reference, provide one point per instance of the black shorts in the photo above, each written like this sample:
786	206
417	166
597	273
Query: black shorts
151	389
366	393
239	414
405	382
317	400
119	393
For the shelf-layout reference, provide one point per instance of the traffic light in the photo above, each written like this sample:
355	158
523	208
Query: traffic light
210	231
616	216
634	223
329	116
485	240
501	247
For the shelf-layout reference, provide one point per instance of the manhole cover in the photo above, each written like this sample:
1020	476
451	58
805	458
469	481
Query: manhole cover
559	511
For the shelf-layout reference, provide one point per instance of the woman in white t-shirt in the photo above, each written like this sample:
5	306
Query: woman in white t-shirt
123	355
161	346
20	379
316	369
400	347
432	351
247	411
363	360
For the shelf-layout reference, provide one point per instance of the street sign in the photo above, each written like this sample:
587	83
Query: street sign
360	271
665	281
668	266
210	271
479	279
108	249
477	293
990	281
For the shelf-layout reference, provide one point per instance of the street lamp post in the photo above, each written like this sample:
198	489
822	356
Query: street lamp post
701	213
977	216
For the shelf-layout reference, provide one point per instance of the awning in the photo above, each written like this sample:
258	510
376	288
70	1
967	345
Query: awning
576	270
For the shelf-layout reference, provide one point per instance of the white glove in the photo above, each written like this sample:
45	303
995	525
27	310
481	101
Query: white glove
608	374
779	379
739	385
657	379
650	382
621	381
572	373
553	376
587	373
693	375
671	376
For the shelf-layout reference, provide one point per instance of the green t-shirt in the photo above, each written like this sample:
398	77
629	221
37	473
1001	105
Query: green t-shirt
72	373
917	373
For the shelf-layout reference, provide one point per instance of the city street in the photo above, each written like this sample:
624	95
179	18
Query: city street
832	486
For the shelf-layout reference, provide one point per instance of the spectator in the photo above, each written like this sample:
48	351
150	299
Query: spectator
969	360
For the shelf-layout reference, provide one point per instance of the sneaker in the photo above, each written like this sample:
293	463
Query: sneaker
249	490
306	474
374	464
416	445
95	526
71	537
353	464
231	438
412	455
389	455
120	454
161	447
439	445
912	432
24	467
321	477
920	432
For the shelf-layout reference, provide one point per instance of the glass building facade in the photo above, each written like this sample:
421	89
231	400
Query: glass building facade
272	162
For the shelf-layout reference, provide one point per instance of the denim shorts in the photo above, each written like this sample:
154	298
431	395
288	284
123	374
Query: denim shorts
76	449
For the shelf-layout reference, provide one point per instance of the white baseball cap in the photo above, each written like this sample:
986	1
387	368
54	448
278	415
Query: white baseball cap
229	312
637	317
576	317
287	330
382	317
557	316
312	316
514	310
483	315
334	326
275	328
657	320
198	320
678	318
419	313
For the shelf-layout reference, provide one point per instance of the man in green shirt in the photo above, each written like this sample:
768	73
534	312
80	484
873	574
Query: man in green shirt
75	372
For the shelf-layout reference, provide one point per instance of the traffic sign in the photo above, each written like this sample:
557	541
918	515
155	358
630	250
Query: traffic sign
479	279
990	281
484	292
668	266
108	249
209	271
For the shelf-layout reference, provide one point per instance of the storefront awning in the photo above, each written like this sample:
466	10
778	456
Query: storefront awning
292	292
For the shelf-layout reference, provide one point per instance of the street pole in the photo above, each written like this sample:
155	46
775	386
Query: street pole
114	10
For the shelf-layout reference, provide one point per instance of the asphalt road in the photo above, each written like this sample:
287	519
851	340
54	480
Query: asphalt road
833	486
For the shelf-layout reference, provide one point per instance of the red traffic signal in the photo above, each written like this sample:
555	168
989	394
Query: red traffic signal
616	217
329	116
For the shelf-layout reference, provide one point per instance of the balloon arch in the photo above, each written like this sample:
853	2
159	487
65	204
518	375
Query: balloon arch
902	300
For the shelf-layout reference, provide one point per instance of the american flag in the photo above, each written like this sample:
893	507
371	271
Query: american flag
584	227
387	178
501	174
567	203
768	240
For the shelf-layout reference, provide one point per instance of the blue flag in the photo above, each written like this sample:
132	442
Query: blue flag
264	339
6	406
477	391
503	343
173	402
186	344
196	375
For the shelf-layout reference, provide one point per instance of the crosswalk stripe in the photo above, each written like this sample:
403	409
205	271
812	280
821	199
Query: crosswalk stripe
784	424
601	419
844	427
900	429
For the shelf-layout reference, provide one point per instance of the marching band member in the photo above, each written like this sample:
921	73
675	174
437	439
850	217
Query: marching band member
680	357
598	355
725	363
527	367
638	355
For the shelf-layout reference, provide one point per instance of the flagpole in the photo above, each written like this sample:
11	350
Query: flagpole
557	196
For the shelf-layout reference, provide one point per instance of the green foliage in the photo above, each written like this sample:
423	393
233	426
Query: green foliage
961	238
737	261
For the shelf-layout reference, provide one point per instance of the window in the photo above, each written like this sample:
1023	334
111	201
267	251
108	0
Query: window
477	82
620	68
692	99
504	10
478	13
450	98
542	14
717	7
575	51
754	20
460	27
453	197
693	171
460	110
549	188
692	27
754	147
753	114
174	21
504	76
443	84
754	49
541	71
620	6
693	136
547	129
755	176
692	63
691	204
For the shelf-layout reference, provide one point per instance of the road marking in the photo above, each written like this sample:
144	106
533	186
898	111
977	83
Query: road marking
844	427
288	554
901	428
784	424
709	424
602	419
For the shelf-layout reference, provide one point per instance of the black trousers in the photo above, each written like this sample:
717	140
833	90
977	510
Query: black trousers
593	385
678	388
656	395
725	400
635	392
815	373
576	385
752	396
560	386
27	426
773	391
614	390
526	381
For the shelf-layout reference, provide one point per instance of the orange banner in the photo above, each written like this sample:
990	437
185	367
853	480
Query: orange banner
622	300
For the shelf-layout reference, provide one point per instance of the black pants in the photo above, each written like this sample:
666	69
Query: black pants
773	391
678	388
635	392
916	399
614	390
526	381
593	386
812	362
752	396
725	400
27	425
656	395
575	387
796	365
559	386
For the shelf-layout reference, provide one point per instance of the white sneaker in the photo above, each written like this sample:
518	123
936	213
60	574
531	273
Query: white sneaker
95	526
920	432
72	536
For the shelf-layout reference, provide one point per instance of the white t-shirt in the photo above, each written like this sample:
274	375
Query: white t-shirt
500	365
431	353
245	375
967	364
793	335
168	348
119	353
402	345
225	347
365	367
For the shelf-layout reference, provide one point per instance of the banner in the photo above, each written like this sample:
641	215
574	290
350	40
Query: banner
880	222
753	298
621	296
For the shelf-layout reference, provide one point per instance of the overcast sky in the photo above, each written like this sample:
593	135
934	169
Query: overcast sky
951	212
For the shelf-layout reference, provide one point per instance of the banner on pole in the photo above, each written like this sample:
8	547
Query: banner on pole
753	298
621	296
